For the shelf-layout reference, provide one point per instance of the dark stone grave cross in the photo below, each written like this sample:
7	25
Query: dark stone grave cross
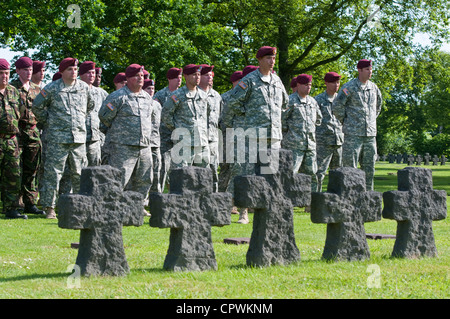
435	160
273	196
426	159
414	206
345	207
443	159
99	211
189	210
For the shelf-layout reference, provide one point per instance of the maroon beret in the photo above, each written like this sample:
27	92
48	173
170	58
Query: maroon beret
57	76
364	64
133	69
293	83
4	65
38	66
236	76
332	77
206	68
304	78
191	68
173	73
86	66
65	63
147	83
263	51
248	69
23	62
146	74
120	77
98	70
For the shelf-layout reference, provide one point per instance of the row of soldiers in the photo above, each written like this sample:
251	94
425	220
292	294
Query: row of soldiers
77	124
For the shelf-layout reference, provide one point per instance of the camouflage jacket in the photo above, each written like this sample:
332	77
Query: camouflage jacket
188	110
300	119
236	121
128	117
214	111
92	121
358	107
164	133
330	131
259	103
155	140
9	111
62	110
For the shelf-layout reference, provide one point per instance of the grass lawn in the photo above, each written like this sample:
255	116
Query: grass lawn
36	259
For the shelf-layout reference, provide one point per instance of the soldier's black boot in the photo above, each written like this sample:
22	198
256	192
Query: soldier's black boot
32	209
14	214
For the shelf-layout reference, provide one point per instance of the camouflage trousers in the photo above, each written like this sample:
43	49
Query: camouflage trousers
157	159
56	158
136	163
363	149
305	161
31	162
190	155
10	173
94	153
328	157
214	163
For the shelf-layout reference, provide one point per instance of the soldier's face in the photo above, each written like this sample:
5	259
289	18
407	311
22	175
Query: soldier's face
150	90
176	81
135	83
365	73
25	73
333	86
70	74
88	77
267	62
207	79
4	78
304	89
120	84
192	79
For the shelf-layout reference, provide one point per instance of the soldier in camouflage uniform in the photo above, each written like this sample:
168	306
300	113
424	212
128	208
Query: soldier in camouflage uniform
38	73
329	134
127	113
155	140
10	169
225	168
30	141
256	104
185	113
174	78
215	103
62	108
300	119
357	107
94	136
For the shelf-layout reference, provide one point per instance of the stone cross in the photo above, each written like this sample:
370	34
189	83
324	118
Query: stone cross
426	159
443	160
419	159
399	158
411	159
435	160
273	197
99	211
414	206
391	158
189	210
345	207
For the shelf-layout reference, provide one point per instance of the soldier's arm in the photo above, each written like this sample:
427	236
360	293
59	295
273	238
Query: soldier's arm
90	102
40	105
168	110
236	101
319	116
285	115
108	111
379	101
338	107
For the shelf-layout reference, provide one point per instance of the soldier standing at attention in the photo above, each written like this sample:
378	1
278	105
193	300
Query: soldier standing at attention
214	111
155	140
38	73
299	122
94	137
120	80
10	169
127	113
30	140
185	113
174	78
256	103
98	77
357	107
62	108
329	134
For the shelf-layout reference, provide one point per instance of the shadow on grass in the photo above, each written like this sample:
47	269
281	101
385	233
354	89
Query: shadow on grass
35	276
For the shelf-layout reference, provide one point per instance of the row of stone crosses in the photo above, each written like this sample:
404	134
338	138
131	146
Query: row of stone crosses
191	208
411	159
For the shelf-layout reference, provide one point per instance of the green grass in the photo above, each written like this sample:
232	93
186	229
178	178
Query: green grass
35	256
